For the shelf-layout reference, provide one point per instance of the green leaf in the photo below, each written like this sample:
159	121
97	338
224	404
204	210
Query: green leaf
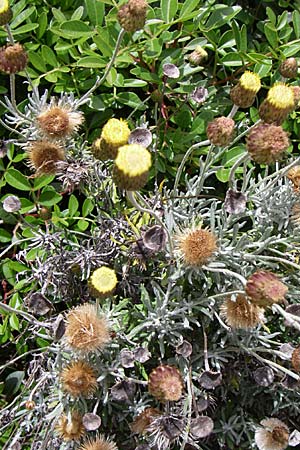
271	35
82	224
187	7
5	236
49	56
130	99
73	205
95	11
22	17
168	9
49	197
43	24
13	382
271	15
296	23
243	45
221	15
59	16
236	33
232	59
232	155
102	42
14	322
42	181
77	14
17	180
75	29
87	207
25	28
27	205
93	62
37	61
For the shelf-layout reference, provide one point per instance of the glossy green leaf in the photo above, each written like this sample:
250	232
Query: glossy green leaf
77	14
43	24
49	56
42	181
187	7
37	61
95	11
73	205
13	382
5	236
24	15
87	207
130	99
93	62
17	180
296	23
168	9
49	197
271	35
75	29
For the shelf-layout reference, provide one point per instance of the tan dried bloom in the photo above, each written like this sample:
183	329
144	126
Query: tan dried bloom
165	383
43	156
241	313
144	419
100	443
59	121
273	435
79	378
86	331
296	359
70	428
196	246
13	58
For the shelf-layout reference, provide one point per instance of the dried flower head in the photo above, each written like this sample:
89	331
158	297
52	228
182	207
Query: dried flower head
264	289
13	58
79	378
198	56
59	122
294	175
115	133
289	68
240	313
103	281
131	167
266	143
220	131
100	443
132	15
86	331
279	103
70	427
243	94
144	419
5	12
196	246
165	383
273	435
295	215
296	359
43	156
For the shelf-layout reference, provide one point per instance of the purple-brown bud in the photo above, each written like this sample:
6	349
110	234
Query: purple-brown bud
220	131
132	15
13	58
264	289
289	68
165	383
266	143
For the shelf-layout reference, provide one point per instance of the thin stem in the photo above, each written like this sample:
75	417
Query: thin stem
273	258
291	318
245	157
12	130
13	244
233	112
24	314
205	352
9	363
9	34
279	174
39	383
185	158
189	408
276	366
99	81
226	272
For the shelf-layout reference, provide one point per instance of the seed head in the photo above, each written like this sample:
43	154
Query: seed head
86	331
273	435
43	156
266	143
279	103
264	289
79	379
143	420
100	443
296	359
59	122
198	56
243	94
165	383
289	68
220	131
241	313
196	246
13	58
70	428
294	175
103	281
132	15
5	12
132	166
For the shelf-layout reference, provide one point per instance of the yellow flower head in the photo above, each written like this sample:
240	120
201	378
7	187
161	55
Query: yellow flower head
281	96
115	132
133	160
4	6
250	81
104	280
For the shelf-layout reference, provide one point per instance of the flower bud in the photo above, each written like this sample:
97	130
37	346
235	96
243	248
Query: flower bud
296	359
13	58
279	103
44	155
115	133
264	289
289	68
266	143
220	131
132	15
144	419
241	313
197	56
165	383
273	435
243	94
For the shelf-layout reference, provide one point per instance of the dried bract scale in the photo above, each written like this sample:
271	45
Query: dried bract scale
143	420
5	12
171	71
165	383
38	304
273	435
59	122
13	58
86	331
267	143
296	359
199	95
264	289
201	427
289	68
235	202
240	313
140	136
198	56
11	204
279	103
196	246
243	94
220	131
44	155
99	443
263	376
103	281
79	379
91	421
294	175
132	15
132	167
70	427
115	134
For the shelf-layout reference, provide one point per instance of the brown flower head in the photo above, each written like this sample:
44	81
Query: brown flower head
196	246
241	313
13	58
279	103
165	383
58	122
243	94
273	435
143	420
294	175
289	68
264	289
86	331
70	428
100	443
79	378
266	143
132	15
43	156
220	131
296	359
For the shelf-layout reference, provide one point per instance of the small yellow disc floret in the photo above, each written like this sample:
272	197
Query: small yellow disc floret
281	96
250	81
133	160
104	280
115	132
